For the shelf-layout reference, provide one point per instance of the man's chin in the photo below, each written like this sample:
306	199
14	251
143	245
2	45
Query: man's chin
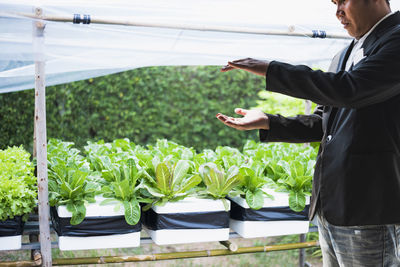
352	34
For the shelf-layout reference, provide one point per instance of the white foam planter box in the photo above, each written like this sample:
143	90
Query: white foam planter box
187	221
10	242
275	218
11	234
102	228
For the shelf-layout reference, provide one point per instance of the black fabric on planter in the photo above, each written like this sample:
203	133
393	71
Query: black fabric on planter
267	214
93	226
186	220
12	227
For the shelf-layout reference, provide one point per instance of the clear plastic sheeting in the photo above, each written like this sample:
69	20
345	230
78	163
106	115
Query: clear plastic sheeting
159	33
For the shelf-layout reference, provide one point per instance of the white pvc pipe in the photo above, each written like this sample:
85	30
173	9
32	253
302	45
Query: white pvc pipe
181	26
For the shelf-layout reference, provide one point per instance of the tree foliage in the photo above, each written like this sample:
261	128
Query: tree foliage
177	103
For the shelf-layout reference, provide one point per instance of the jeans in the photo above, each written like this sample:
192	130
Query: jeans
361	246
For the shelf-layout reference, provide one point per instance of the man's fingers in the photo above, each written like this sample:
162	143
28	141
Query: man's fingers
232	122
229	121
237	64
227	68
238	61
241	111
232	65
221	117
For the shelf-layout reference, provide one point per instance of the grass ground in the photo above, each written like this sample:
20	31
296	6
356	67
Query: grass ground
279	259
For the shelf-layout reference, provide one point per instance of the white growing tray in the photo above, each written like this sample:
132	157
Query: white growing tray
179	236
97	242
10	242
252	229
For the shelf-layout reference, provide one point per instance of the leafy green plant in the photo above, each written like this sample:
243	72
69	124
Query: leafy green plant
118	151
297	180
122	186
291	169
17	183
288	168
253	184
169	182
207	155
171	150
228	157
117	164
218	183
71	181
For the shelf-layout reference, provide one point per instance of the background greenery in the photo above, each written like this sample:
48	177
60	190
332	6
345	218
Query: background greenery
176	103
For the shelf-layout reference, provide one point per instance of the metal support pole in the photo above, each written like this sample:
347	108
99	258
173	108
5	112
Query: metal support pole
302	251
41	139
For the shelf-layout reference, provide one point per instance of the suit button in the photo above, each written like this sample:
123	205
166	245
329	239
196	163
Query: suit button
328	138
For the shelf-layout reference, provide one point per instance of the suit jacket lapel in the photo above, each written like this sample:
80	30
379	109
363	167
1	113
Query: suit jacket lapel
338	63
344	57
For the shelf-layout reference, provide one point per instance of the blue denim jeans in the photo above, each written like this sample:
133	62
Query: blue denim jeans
361	246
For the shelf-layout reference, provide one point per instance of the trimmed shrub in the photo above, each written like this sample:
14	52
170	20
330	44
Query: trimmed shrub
146	104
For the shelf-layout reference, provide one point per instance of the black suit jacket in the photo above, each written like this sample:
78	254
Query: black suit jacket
357	174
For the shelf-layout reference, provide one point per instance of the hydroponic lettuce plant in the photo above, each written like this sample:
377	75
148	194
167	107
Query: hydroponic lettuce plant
118	151
218	183
170	151
206	156
169	182
122	186
291	169
228	157
71	182
17	184
117	164
295	177
253	183
165	151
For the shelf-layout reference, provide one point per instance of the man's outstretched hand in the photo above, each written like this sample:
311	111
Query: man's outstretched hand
252	65
253	119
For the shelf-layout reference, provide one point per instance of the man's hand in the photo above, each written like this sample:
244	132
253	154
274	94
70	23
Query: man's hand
252	65
253	119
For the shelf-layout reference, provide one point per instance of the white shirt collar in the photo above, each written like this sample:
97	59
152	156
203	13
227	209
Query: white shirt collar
357	53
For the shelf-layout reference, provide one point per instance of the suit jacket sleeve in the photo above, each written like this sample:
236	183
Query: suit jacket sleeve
373	80
299	129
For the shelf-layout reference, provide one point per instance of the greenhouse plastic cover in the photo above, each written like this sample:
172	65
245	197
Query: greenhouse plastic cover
78	51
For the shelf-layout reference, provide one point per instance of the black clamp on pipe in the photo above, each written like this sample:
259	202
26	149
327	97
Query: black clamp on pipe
318	34
78	19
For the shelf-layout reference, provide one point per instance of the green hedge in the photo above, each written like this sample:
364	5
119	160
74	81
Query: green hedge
275	103
176	103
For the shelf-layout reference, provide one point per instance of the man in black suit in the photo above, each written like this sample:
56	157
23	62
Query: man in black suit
356	186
